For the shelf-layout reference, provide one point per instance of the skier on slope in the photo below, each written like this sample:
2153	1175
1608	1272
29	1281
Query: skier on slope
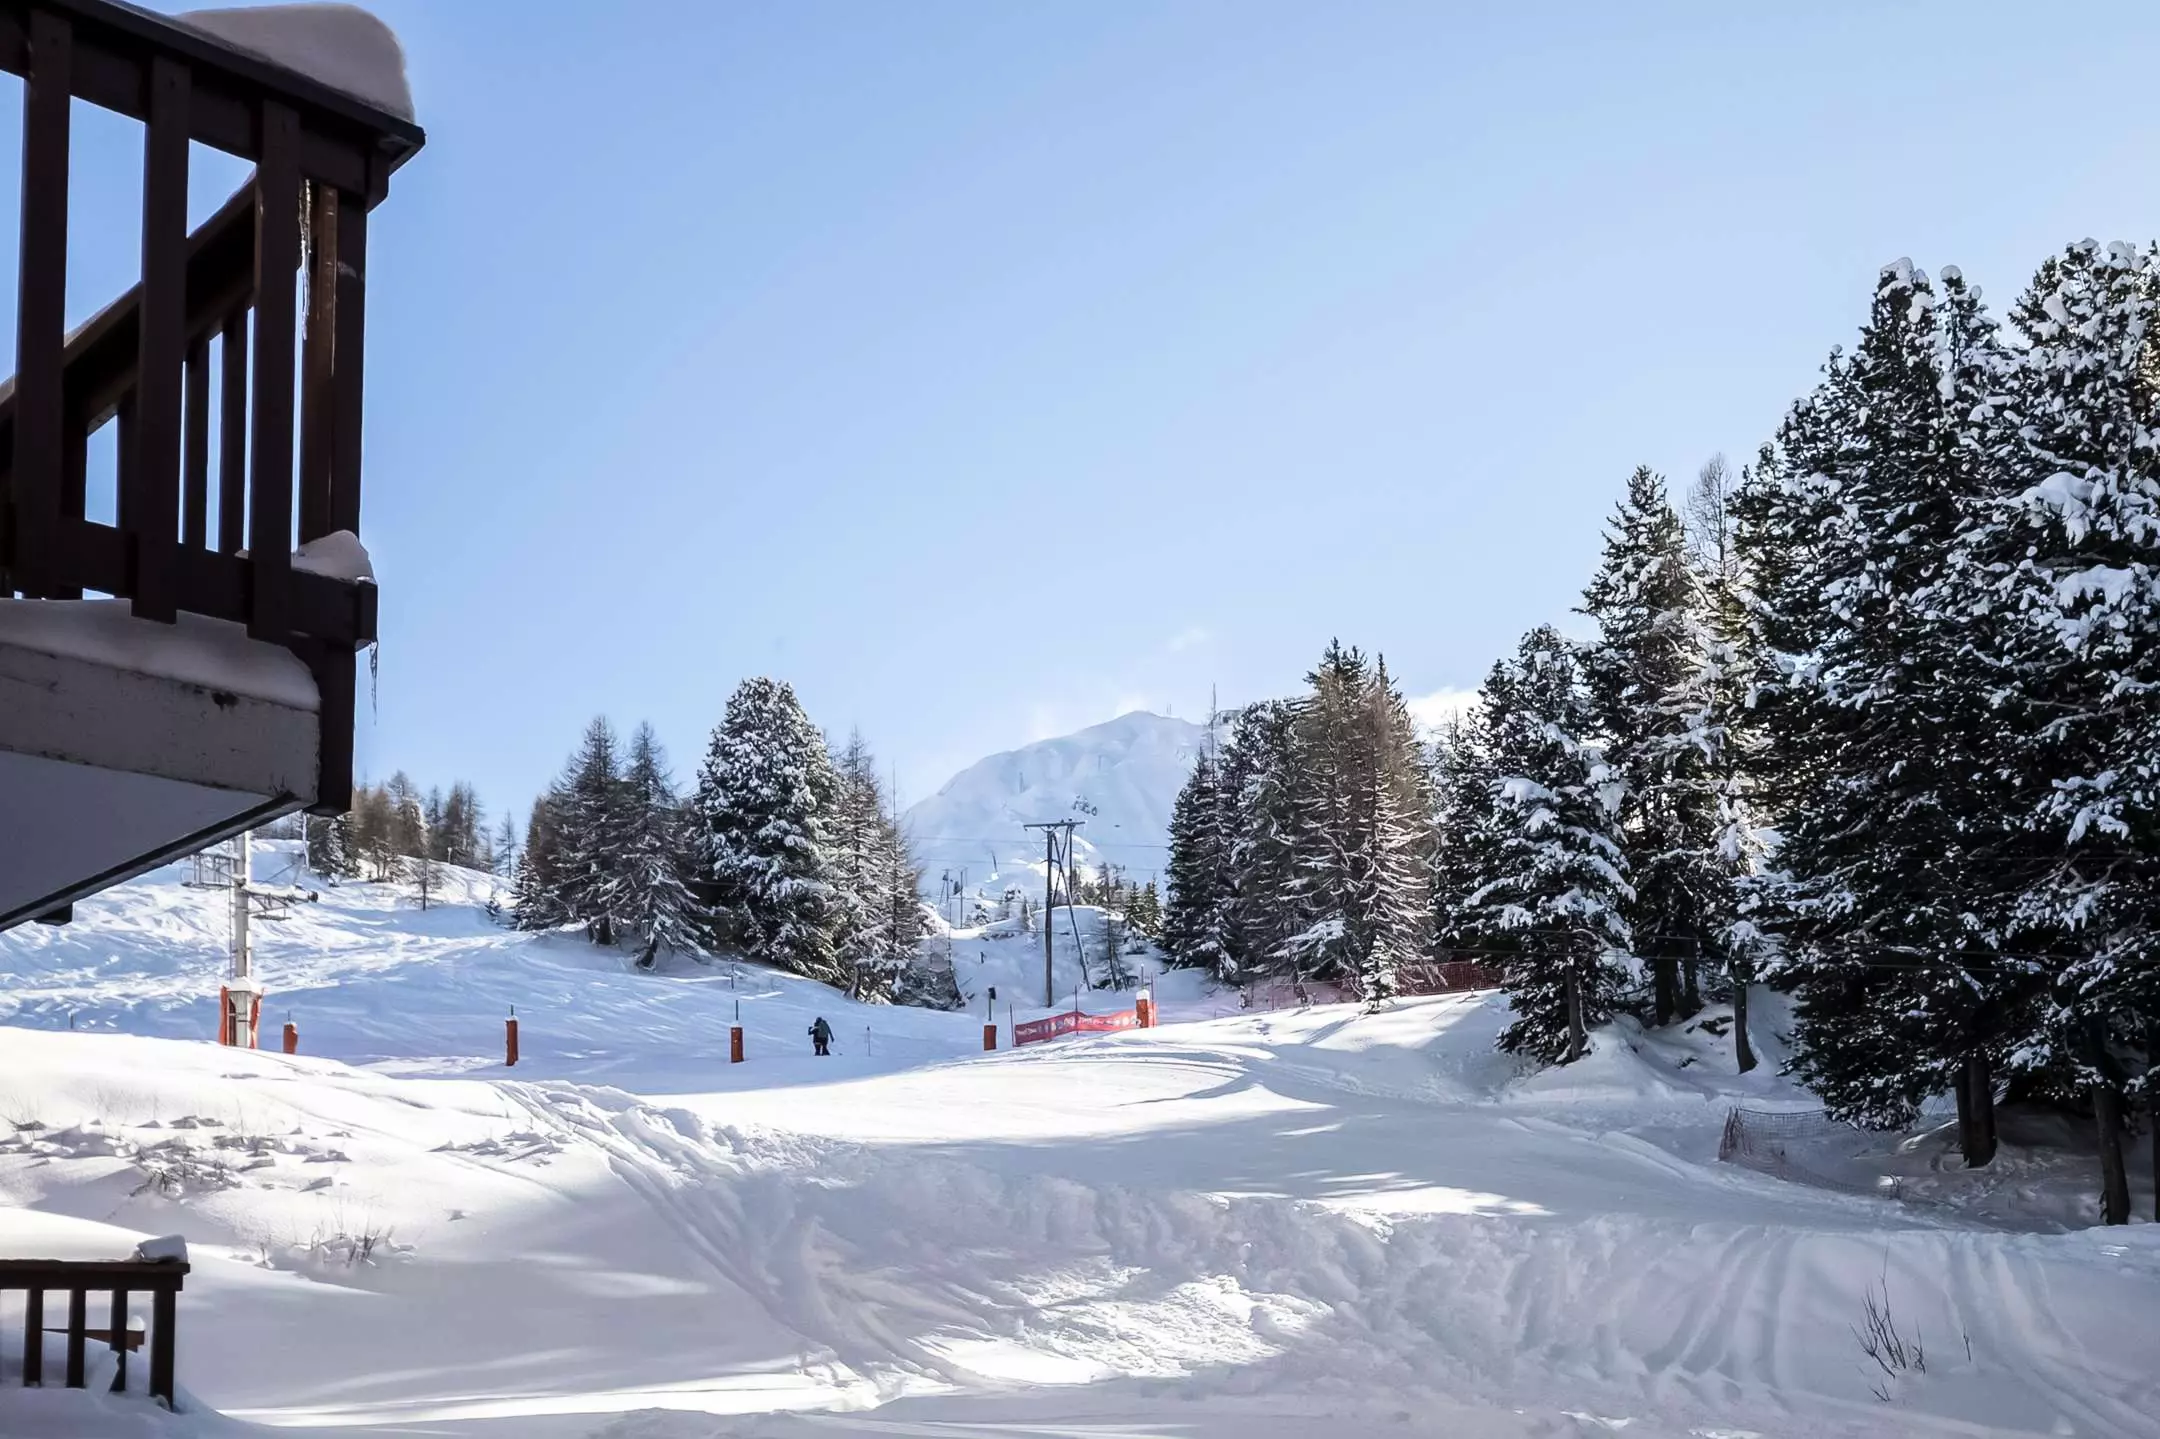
821	1037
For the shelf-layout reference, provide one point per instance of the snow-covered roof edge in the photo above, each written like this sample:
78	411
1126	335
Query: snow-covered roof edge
341	46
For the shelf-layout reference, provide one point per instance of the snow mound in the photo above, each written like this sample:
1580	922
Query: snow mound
342	46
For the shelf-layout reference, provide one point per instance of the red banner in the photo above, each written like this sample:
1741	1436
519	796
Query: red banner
1034	1031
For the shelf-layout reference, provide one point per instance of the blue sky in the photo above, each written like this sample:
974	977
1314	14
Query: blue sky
988	369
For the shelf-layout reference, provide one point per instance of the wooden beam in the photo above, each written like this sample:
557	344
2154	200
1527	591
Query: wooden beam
153	474
317	381
232	435
78	1319
33	1359
40	309
277	255
163	1341
195	464
350	357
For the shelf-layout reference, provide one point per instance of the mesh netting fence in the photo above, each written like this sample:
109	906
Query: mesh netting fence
1796	1145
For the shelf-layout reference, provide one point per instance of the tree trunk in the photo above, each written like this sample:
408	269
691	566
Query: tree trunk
2114	1176
1690	988
1976	1110
1577	1037
1664	990
1744	1051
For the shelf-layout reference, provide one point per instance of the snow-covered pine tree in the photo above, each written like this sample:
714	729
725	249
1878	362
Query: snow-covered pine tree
591	817
1643	598
1389	871
1260	809
852	834
330	851
1719	747
537	896
879	924
901	924
1331	822
1462	809
1889	837
2067	566
764	799
650	899
1193	909
1560	887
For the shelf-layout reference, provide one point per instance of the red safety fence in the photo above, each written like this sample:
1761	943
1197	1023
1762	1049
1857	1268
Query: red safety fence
1034	1031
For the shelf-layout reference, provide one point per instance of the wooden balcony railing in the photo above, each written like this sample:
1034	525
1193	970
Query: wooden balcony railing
322	160
114	1279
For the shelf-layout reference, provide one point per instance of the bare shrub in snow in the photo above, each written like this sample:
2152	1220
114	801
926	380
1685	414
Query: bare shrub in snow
1881	1341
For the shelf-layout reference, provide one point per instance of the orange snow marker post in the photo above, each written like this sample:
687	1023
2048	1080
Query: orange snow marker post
292	1037
990	1036
734	1037
510	1037
1144	1008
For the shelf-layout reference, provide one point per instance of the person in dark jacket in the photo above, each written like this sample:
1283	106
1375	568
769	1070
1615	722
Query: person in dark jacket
821	1036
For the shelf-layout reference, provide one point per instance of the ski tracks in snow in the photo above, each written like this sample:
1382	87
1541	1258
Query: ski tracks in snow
909	1271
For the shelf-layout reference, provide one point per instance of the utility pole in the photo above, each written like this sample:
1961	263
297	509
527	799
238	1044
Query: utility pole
1051	833
241	966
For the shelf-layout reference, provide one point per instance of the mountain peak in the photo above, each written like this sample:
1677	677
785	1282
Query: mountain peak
1118	778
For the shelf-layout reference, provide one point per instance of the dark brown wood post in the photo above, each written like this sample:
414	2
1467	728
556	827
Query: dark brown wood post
162	1339
40	307
338	687
318	417
195	465
232	435
33	1357
152	475
77	1321
277	256
118	1333
347	361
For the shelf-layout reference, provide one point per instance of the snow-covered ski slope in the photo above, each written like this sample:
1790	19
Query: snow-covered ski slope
1252	1226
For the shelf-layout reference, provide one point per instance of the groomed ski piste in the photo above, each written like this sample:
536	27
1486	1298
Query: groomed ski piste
1235	1226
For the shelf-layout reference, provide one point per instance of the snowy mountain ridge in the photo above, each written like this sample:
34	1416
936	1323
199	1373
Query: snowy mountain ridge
1118	778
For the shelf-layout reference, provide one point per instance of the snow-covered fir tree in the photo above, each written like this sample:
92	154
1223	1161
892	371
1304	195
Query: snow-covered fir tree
651	899
1644	600
1720	750
764	797
1198	882
880	923
1265	888
1890	837
537	898
2066	565
1559	884
591	814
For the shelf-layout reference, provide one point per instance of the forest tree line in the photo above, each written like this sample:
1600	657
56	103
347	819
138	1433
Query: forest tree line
1875	721
785	850
394	830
